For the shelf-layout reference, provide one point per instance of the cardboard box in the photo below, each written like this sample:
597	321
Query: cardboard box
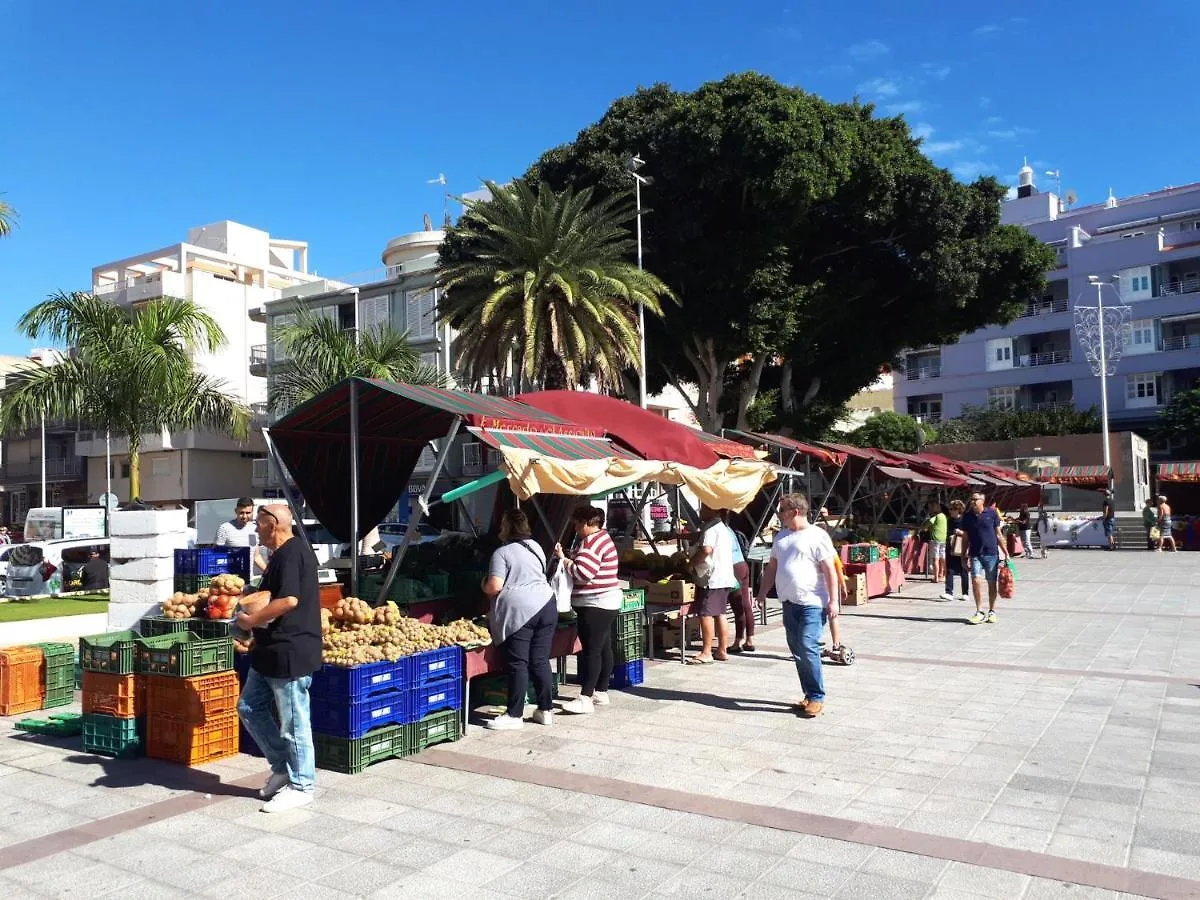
675	592
856	590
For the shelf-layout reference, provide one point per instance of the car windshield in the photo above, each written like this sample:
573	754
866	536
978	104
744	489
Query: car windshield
319	534
25	555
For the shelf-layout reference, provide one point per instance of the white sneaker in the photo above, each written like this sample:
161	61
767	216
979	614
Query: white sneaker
277	782
600	698
946	595
543	717
506	723
581	706
287	799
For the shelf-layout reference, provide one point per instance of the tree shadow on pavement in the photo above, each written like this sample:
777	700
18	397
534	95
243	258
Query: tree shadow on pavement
737	704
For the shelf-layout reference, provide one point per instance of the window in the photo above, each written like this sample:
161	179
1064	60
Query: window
999	354
472	457
161	466
928	410
1135	283
1142	390
1140	337
125	470
421	313
1132	234
1002	398
375	312
274	330
430	360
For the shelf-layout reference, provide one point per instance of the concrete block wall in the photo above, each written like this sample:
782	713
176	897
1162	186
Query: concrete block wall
143	549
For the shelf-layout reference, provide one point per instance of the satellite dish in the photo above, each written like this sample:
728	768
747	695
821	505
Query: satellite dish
1072	197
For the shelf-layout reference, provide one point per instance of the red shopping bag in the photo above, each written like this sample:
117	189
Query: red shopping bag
1007	582
1016	546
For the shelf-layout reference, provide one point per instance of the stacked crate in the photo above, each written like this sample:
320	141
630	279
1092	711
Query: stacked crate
20	680
191	698
629	640
194	569
114	693
381	710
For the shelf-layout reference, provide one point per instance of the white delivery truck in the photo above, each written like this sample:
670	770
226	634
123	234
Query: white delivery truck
52	523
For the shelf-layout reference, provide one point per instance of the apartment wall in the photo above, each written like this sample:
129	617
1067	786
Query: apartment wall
230	302
209	474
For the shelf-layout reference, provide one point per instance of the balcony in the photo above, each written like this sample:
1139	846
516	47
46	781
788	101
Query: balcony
58	468
1045	307
138	290
1052	358
1179	286
1052	406
260	413
919	372
1182	342
258	360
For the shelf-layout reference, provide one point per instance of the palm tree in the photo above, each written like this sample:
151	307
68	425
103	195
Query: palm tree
320	354
546	276
128	371
8	216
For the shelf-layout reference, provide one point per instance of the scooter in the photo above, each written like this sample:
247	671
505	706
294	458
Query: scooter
843	655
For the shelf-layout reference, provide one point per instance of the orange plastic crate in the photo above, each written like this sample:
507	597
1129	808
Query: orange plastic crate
21	688
195	700
192	745
112	695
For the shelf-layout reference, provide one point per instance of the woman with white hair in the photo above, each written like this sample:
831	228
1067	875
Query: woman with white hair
1164	525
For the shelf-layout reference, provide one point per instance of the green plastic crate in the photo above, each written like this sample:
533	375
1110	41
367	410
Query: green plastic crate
403	590
116	653
58	696
60	665
186	655
629	649
436	728
191	584
633	598
629	624
352	756
493	691
863	553
439	583
57	725
152	626
210	628
112	736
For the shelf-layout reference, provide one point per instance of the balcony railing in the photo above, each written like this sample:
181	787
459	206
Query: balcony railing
258	355
1045	308
1053	358
1183	342
259	412
1180	286
67	467
1052	405
920	373
926	416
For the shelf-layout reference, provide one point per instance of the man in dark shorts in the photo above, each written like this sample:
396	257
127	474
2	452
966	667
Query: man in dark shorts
1108	518
985	545
713	564
287	650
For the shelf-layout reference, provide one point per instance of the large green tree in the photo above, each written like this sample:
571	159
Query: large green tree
980	423
128	371
1180	422
319	354
892	431
544	278
798	233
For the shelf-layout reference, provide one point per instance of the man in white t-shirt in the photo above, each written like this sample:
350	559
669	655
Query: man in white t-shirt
240	532
713	565
802	568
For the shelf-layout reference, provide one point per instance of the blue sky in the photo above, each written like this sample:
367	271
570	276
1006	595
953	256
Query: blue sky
122	124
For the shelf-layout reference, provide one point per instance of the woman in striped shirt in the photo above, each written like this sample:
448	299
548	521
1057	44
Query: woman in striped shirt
596	599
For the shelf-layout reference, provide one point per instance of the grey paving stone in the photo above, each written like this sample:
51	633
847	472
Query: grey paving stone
253	883
312	864
1175	840
867	884
471	866
365	877
573	856
814	876
982	882
1113	853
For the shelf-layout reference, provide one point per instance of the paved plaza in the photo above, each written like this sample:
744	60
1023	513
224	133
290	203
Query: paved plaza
1053	754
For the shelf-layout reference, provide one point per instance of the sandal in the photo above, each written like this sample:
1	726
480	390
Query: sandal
748	647
735	648
699	661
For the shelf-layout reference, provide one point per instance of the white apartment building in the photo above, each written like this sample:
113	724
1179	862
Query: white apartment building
228	269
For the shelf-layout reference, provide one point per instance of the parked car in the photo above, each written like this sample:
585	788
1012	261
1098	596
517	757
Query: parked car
392	533
32	567
5	550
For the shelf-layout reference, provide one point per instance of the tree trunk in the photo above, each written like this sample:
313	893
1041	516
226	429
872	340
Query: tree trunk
787	393
749	391
135	467
710	384
554	374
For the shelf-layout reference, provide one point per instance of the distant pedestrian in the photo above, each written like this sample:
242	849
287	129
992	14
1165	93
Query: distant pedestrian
802	564
1165	535
5	537
937	525
956	553
1108	519
94	574
240	531
713	564
740	598
1023	525
1043	527
985	545
1149	521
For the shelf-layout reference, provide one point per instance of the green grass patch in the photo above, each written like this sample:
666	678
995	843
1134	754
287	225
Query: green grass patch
50	608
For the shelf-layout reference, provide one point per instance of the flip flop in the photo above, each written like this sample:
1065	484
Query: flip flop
721	658
697	661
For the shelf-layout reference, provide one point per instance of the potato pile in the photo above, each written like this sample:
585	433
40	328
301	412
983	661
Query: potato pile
354	634
227	585
180	605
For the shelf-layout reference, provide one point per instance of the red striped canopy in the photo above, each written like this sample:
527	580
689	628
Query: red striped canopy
1077	476
1180	472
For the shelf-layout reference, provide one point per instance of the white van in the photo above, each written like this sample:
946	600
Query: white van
32	567
52	523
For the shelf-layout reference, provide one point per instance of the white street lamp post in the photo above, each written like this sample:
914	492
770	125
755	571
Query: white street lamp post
1103	371
44	459
632	167
1094	329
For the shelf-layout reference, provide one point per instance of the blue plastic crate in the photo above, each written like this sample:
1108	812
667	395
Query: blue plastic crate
336	718
209	561
434	697
337	682
434	665
628	674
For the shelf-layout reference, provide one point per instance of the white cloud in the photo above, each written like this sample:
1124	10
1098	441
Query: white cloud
993	120
969	170
985	102
1018	20
909	106
1010	194
865	50
982	30
1009	134
942	147
880	87
935	71
922	130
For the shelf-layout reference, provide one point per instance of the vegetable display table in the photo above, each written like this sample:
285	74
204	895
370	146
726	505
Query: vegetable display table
885	576
662	611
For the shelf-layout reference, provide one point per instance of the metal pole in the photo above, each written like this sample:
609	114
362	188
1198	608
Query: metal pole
44	459
637	188
284	477
1103	372
354	485
107	463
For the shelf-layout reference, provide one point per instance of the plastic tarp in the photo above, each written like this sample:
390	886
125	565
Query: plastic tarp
1077	476
820	455
1180	472
910	476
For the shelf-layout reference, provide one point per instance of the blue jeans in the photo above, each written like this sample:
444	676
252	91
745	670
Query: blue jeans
986	566
287	746
803	626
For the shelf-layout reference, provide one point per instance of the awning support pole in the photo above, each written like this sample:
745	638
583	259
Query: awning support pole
467	513
832	485
354	487
285	476
542	515
422	508
861	478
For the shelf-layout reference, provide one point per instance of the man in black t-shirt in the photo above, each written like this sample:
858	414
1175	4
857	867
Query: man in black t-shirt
287	650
